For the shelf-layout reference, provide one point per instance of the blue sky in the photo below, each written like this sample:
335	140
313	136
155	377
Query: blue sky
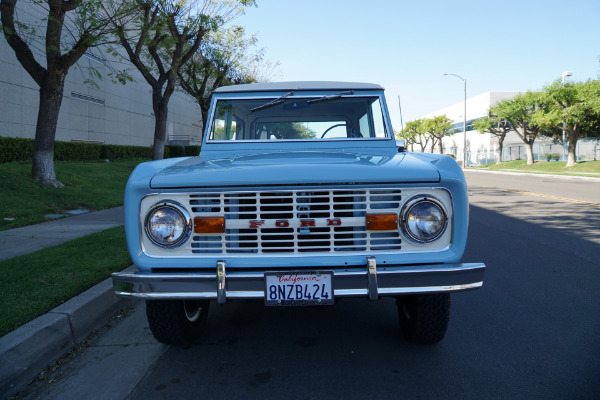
406	46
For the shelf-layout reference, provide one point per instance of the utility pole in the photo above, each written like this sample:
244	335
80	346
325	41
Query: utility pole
464	119
564	138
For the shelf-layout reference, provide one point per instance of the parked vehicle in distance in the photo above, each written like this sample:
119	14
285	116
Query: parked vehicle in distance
300	196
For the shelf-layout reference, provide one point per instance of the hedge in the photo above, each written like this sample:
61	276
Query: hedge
19	149
15	149
76	151
192	151
118	152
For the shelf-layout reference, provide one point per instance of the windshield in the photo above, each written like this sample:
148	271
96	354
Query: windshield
298	118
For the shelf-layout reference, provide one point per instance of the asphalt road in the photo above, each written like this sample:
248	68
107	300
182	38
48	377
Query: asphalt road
532	331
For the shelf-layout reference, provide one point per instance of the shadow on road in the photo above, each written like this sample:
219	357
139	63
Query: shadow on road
531	332
581	221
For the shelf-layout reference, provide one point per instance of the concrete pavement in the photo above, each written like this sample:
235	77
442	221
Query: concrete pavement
25	240
27	350
542	175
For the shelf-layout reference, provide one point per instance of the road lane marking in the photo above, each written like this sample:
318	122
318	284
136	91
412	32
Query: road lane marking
554	197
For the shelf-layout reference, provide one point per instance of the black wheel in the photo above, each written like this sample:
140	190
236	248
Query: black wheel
424	318
177	321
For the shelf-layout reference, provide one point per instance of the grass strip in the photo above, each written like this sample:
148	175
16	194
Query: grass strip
88	185
584	168
35	283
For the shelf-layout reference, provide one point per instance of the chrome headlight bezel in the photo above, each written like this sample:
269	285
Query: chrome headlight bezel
186	221
409	206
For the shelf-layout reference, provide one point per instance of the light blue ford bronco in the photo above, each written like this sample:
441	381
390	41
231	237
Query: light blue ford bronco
300	196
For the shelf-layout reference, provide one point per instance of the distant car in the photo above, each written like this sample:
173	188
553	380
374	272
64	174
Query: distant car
300	196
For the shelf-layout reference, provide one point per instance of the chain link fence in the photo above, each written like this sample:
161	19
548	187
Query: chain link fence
587	149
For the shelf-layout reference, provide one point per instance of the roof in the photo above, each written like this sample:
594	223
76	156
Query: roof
298	85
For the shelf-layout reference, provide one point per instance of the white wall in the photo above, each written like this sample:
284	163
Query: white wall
113	114
477	107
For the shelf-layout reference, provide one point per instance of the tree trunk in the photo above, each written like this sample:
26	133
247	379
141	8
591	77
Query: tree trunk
500	148
51	94
204	106
529	151
571	159
440	147
160	132
160	105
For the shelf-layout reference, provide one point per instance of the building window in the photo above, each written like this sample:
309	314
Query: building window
84	97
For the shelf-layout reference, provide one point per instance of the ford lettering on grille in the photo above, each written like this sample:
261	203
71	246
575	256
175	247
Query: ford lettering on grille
300	223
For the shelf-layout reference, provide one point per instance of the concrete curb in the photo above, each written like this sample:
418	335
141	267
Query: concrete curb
542	175
27	350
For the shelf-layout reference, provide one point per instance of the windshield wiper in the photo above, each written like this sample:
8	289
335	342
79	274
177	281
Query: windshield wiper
331	96
278	100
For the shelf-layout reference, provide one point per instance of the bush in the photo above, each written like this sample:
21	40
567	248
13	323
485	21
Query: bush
555	156
172	151
77	151
15	149
19	149
451	155
192	151
116	152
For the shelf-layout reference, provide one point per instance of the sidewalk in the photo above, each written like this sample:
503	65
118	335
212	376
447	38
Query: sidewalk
540	174
27	350
25	240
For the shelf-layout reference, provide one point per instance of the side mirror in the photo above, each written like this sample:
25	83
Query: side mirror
400	144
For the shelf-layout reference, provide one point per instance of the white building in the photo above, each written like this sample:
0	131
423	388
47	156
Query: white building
481	147
103	112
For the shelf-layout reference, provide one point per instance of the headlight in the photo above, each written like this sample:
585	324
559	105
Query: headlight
168	224
424	219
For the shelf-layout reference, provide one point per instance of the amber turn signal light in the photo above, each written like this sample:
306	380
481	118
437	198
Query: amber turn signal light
209	224
382	222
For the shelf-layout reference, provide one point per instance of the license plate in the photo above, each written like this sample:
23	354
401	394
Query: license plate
299	288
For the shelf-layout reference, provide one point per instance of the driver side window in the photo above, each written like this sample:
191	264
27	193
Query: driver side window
371	124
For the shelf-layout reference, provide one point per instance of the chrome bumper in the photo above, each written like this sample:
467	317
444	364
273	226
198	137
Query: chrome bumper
370	281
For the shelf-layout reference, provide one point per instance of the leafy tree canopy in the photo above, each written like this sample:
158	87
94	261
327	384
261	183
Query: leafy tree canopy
162	37
71	28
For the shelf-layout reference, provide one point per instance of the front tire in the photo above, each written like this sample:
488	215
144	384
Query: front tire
177	321
424	317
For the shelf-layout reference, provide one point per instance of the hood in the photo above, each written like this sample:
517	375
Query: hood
290	168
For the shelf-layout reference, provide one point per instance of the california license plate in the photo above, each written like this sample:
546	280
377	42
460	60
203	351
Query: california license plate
299	288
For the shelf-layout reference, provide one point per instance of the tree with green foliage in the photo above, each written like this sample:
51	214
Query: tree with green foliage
416	133
162	37
287	130
518	112
438	127
71	28
495	125
224	58
574	106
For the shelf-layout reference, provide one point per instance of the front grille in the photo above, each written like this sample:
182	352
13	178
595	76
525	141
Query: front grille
295	221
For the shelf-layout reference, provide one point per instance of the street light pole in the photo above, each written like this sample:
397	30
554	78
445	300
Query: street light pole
464	119
564	139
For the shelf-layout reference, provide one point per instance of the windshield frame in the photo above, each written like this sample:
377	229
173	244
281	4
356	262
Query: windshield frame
316	94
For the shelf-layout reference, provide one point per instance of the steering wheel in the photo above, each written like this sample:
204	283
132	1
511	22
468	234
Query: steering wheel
330	128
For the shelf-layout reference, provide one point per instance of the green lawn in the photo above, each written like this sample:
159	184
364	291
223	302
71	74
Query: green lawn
33	284
88	185
586	168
